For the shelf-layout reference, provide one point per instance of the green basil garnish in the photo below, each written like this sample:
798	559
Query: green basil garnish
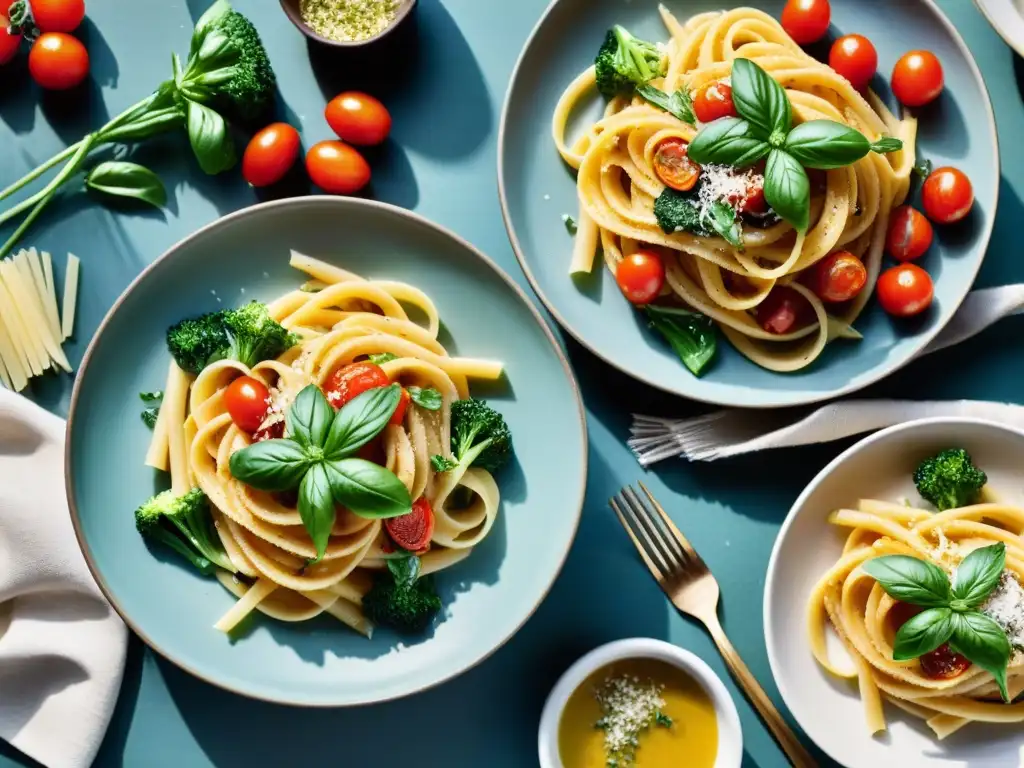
677	104
367	489
729	141
309	419
383	357
923	634
825	144
360	421
787	189
118	178
723	219
984	642
690	334
405	570
426	398
270	465
316	507
761	100
211	142
979	573
911	580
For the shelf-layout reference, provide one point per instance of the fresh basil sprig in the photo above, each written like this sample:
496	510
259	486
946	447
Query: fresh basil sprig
317	458
952	614
117	178
678	104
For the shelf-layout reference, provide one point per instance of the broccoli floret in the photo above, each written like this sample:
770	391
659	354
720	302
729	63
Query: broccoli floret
250	92
248	335
404	608
480	436
949	479
624	62
183	523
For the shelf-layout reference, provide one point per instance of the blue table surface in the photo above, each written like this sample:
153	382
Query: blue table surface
445	95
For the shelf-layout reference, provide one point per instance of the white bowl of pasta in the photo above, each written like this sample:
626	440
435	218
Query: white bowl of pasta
888	643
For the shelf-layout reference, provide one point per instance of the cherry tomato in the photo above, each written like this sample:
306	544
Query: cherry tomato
58	15
905	290
403	405
58	61
9	44
783	310
917	78
641	277
943	663
806	21
910	234
358	118
855	58
839	277
412	532
753	200
270	154
673	167
713	100
947	195
350	381
270	432
248	401
337	168
374	451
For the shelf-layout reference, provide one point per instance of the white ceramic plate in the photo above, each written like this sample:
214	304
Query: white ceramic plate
1006	18
829	710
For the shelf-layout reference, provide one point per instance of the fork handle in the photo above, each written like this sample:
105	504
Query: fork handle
783	734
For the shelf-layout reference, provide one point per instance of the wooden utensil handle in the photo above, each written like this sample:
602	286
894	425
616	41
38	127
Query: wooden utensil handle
783	734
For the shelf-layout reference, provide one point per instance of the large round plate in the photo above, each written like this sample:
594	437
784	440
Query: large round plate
537	188
245	256
828	709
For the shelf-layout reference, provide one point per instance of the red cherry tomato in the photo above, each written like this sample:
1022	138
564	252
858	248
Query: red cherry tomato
358	118
839	277
641	276
374	451
58	15
910	234
855	58
905	290
412	532
673	167
806	21
403	405
337	168
248	401
350	381
753	198
270	154
947	195
9	44
917	78
58	61
270	432
783	310
712	101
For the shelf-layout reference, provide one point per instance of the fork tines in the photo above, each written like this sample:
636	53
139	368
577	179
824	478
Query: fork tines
662	546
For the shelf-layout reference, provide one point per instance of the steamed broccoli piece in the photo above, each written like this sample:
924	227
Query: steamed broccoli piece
949	479
405	608
624	62
480	436
249	92
183	523
248	335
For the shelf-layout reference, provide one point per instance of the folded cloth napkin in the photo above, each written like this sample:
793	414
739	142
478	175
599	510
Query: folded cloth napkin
62	647
732	432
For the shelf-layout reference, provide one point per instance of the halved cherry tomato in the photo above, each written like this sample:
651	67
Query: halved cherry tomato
855	58
403	405
337	168
412	532
712	101
641	276
753	199
270	154
58	61
783	310
350	381
839	277
947	195
58	15
806	21
358	118
247	400
905	290
917	78
270	432
673	167
942	663
910	234
9	44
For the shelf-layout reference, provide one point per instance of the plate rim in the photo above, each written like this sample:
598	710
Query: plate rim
782	398
985	8
168	254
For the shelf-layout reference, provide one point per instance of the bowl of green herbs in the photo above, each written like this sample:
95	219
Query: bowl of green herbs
347	23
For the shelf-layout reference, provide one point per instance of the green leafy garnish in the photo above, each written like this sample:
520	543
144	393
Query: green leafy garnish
429	398
678	104
570	224
150	415
681	212
690	334
382	357
151	397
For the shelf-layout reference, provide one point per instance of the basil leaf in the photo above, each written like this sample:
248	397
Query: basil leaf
979	573
923	168
723	219
426	398
690	334
361	420
887	144
677	104
923	633
151	397
150	415
121	179
404	570
442	463
270	465
216	52
984	642
316	508
761	100
383	357
309	418
727	141
826	144
911	580
367	489
787	189
213	14
211	142
570	224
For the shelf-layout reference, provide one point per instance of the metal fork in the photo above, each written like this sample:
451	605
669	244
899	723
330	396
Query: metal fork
685	578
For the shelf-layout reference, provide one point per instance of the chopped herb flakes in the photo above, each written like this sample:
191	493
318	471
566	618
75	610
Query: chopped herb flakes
570	223
630	706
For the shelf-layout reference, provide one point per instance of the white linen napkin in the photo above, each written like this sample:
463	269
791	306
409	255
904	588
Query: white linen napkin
62	647
732	432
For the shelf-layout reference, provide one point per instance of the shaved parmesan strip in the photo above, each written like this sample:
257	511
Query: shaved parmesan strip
70	294
22	330
34	313
13	362
46	295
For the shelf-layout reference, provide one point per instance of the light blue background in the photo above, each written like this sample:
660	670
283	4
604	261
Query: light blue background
445	99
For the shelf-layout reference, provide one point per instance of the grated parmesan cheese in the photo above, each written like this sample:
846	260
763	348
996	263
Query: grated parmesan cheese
1005	606
629	707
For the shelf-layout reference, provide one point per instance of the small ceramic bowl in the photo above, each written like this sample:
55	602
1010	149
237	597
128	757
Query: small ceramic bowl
730	735
293	9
